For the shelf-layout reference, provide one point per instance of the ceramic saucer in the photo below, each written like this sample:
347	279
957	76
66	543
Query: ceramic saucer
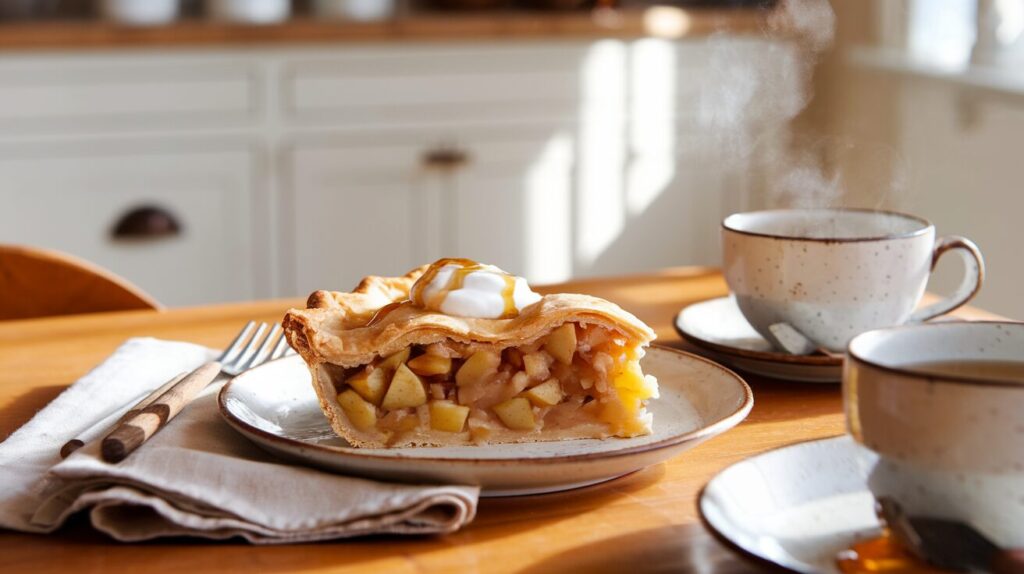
719	330
796	506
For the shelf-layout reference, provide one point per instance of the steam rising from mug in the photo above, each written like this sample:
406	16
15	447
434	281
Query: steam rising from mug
751	97
740	90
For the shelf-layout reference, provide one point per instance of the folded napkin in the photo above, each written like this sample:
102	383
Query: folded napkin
197	476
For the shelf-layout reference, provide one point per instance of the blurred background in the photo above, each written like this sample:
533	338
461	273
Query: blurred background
222	150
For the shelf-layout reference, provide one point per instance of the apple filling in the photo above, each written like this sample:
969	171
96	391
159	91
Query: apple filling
577	376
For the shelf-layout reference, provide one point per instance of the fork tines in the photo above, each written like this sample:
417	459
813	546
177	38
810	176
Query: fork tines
256	344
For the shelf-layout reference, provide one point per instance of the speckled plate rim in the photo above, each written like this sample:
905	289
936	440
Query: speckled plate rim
705	431
783	358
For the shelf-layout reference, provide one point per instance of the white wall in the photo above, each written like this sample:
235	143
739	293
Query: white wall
964	153
939	141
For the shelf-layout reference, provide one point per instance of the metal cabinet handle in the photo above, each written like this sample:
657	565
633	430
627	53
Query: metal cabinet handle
146	222
445	158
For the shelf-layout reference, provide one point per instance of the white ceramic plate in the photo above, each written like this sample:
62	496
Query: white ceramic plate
275	406
719	330
796	506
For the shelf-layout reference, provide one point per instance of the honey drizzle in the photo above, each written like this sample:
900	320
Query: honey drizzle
428	276
456	281
386	310
508	295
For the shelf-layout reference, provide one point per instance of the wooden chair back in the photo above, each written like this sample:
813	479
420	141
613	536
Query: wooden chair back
42	283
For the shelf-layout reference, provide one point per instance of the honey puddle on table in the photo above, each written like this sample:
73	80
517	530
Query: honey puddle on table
882	554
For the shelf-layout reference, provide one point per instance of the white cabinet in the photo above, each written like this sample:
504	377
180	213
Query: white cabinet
301	168
89	93
70	197
416	84
511	204
355	210
382	204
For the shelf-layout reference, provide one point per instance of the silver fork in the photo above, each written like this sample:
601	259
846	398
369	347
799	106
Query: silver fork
252	347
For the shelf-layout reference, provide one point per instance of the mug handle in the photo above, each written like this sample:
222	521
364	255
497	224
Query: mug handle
973	277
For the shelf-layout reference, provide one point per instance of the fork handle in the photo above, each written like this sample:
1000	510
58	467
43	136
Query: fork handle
134	431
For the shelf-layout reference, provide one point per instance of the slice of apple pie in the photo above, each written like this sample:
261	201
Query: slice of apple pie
462	353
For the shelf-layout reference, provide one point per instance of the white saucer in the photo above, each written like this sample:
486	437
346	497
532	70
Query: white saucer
719	330
275	406
796	506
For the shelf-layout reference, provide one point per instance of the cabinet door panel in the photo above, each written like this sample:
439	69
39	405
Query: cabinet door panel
435	83
513	206
72	202
124	92
359	211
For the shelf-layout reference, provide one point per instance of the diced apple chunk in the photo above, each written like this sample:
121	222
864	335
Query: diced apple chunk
516	413
406	390
391	363
519	382
477	368
561	343
479	433
447	416
537	365
360	413
370	385
437	392
428	365
546	394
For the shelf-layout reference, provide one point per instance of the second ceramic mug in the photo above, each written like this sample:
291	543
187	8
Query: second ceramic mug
950	443
835	273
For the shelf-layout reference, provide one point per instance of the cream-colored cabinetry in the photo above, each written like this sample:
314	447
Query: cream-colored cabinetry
98	93
72	197
356	209
88	138
296	168
510	203
383	203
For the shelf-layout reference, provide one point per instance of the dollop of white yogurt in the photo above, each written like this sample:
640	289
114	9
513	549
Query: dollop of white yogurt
469	289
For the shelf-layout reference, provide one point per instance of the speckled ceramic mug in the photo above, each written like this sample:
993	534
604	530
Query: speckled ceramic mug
950	446
835	273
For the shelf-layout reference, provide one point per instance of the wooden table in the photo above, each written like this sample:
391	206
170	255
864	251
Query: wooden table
644	522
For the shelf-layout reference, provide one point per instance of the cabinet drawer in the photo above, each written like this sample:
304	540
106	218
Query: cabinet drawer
418	83
122	93
72	203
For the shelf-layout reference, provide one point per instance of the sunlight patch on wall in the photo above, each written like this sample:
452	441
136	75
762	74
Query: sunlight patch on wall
943	31
652	139
600	205
548	212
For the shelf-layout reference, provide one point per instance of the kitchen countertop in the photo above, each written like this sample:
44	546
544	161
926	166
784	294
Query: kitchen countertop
411	26
643	522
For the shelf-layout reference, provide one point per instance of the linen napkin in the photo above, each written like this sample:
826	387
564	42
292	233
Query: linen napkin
197	476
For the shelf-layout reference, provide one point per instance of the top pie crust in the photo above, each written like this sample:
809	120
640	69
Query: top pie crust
332	329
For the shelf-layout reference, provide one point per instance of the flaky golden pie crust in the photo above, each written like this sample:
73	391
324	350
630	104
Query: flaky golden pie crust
333	330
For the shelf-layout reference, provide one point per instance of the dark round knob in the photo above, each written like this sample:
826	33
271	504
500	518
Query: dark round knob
146	222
